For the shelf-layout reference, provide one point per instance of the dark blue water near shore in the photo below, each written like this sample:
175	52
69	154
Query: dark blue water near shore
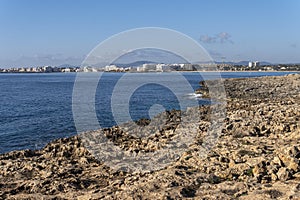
37	108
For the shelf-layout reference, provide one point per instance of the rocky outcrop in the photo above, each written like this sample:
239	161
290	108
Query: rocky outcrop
257	155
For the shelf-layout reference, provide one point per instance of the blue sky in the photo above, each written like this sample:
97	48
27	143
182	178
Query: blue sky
35	32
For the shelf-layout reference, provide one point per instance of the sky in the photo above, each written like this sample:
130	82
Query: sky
54	32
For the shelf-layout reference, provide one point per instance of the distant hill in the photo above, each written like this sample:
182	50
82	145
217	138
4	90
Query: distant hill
267	63
140	63
134	64
243	63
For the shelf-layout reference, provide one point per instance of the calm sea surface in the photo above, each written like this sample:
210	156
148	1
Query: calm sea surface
37	108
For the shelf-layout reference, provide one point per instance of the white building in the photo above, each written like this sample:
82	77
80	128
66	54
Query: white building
111	68
66	70
139	69
162	67
22	69
149	67
250	64
253	64
47	69
187	67
87	69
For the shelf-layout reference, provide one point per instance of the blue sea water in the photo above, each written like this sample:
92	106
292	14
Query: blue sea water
37	108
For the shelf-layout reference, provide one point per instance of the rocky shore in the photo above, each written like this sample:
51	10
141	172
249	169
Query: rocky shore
257	155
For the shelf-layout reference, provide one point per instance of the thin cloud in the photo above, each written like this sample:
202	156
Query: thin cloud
208	39
294	45
222	37
225	37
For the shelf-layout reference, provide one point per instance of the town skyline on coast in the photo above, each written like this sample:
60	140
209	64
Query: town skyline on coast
38	33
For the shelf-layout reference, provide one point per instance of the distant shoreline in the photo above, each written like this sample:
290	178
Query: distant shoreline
140	72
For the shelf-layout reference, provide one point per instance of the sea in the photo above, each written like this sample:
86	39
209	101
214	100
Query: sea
38	108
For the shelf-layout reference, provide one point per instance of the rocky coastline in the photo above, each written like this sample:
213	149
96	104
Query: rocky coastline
257	155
